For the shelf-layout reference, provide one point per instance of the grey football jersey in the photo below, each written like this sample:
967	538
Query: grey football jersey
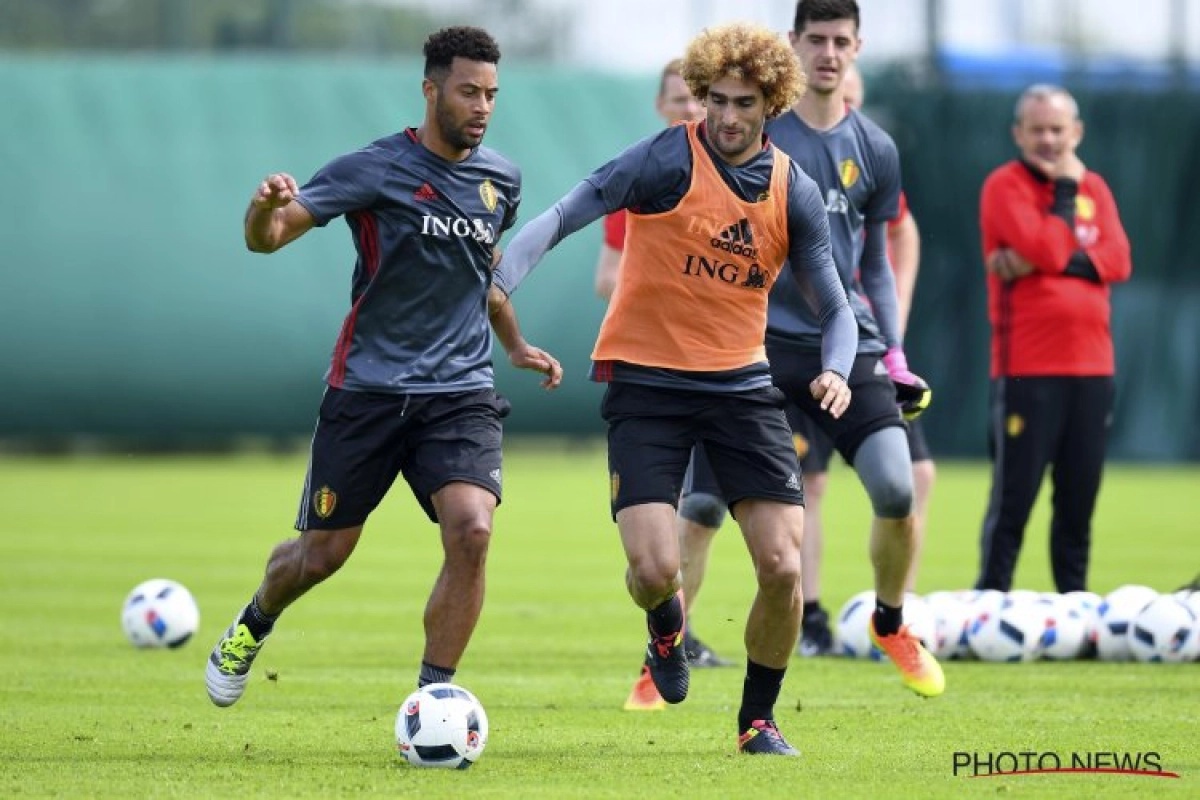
857	169
424	229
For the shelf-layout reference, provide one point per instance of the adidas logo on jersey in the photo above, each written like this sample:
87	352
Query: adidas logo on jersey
793	482
736	239
426	192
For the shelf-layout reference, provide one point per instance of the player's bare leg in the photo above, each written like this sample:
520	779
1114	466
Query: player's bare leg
465	512
816	638
652	578
695	542
891	554
773	532
884	466
294	567
924	476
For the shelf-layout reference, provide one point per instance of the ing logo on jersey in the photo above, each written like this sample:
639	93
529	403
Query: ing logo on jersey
487	193
836	202
849	173
736	239
755	278
444	227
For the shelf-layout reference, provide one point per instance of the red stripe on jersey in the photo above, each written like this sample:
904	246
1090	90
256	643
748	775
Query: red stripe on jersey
337	369
368	239
368	249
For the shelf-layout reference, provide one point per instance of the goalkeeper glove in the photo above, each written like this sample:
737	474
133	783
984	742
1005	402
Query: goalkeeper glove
912	392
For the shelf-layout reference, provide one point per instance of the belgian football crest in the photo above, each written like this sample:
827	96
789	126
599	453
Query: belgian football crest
487	193
1014	425
848	171
324	501
1085	208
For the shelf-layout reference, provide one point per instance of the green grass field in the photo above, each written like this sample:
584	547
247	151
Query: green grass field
86	715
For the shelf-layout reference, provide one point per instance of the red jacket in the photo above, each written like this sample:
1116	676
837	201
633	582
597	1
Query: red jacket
1050	322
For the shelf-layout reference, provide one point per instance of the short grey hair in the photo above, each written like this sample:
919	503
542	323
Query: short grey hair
1044	91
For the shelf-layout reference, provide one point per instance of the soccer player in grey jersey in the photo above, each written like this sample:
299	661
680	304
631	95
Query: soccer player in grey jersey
410	385
856	167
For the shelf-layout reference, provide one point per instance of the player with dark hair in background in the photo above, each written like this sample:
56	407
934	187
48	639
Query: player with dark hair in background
816	449
857	169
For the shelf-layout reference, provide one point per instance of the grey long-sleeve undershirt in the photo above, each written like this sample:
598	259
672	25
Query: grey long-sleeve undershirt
584	204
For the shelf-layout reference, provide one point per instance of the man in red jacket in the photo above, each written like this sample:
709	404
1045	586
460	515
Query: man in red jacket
1053	244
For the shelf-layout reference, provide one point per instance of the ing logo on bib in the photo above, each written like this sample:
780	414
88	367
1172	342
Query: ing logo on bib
848	172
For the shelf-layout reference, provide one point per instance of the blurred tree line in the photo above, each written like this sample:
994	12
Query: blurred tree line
351	27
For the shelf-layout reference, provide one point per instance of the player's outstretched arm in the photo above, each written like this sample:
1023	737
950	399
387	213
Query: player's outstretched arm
577	209
521	354
273	218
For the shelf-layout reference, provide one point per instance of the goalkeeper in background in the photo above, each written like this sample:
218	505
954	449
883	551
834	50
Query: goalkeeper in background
857	168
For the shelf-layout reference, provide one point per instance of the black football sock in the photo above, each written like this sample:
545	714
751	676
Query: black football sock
759	693
812	610
887	618
258	621
667	618
434	674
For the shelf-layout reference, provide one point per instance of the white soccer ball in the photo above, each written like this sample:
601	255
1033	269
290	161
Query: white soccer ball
441	725
1165	630
1191	599
951	614
159	613
1013	633
1068	628
1119	608
984	601
1088	604
921	620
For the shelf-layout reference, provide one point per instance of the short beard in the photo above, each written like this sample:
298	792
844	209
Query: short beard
453	135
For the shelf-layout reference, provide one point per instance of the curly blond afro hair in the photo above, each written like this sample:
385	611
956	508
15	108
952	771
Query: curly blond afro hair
747	52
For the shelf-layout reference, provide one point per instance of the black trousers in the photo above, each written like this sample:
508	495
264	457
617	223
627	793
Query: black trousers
1035	423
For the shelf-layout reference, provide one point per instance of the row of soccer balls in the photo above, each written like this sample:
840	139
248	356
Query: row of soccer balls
1132	622
439	725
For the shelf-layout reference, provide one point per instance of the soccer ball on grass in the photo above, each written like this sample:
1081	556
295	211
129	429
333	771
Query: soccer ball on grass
1165	630
159	613
441	725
